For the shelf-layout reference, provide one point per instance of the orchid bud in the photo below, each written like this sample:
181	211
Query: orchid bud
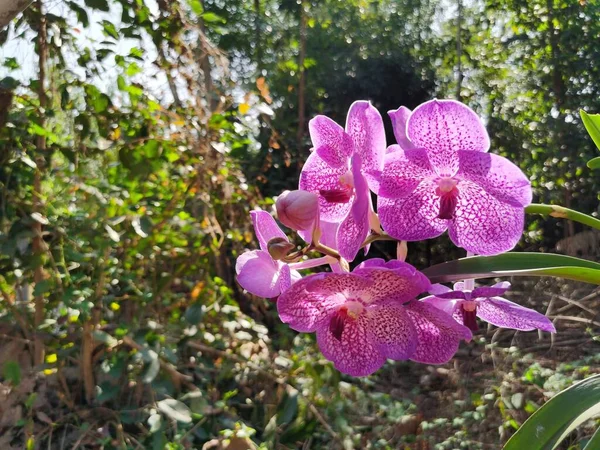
297	210
279	248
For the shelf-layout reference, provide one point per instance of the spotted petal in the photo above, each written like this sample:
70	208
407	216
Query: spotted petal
506	314
317	175
483	224
445	304
403	171
496	290
303	310
365	126
393	281
330	141
353	353
439	335
413	217
355	227
444	127
399	118
339	284
265	228
391	331
497	176
259	274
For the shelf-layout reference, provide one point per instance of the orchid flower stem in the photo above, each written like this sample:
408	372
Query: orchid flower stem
563	213
326	250
469	282
310	263
377	237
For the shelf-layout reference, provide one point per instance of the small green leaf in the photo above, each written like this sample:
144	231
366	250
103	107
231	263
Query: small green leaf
42	287
554	421
153	367
175	410
102	5
594	163
196	6
155	422
12	372
289	409
110	29
212	18
194	313
104	337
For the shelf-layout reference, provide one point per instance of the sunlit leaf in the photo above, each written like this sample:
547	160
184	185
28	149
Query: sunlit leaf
12	372
175	410
592	125
212	18
594	163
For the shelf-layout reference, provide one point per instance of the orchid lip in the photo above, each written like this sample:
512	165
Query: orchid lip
448	194
468	310
350	311
337	195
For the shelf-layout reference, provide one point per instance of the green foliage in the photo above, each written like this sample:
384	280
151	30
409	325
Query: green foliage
556	419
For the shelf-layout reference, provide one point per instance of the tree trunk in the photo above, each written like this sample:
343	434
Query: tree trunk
38	244
10	8
257	38
301	81
459	73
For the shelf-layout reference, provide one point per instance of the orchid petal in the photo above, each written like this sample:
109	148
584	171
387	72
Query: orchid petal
317	175
399	118
439	289
444	127
365	126
497	176
489	291
439	335
446	305
330	141
403	171
506	314
355	227
339	284
483	224
352	354
303	310
394	281
259	274
413	217
265	228
391	331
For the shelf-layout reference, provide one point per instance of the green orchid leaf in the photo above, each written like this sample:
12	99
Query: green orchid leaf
516	264
594	163
559	416
592	125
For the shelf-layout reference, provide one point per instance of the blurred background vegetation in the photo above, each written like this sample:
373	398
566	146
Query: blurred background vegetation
135	137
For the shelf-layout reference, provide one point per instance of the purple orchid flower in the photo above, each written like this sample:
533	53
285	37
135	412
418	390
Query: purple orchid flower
367	316
340	171
485	302
257	271
440	177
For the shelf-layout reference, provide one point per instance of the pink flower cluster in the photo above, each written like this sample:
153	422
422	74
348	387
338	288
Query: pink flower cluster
437	177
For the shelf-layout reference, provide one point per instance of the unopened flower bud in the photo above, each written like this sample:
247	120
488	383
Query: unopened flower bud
279	248
297	210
